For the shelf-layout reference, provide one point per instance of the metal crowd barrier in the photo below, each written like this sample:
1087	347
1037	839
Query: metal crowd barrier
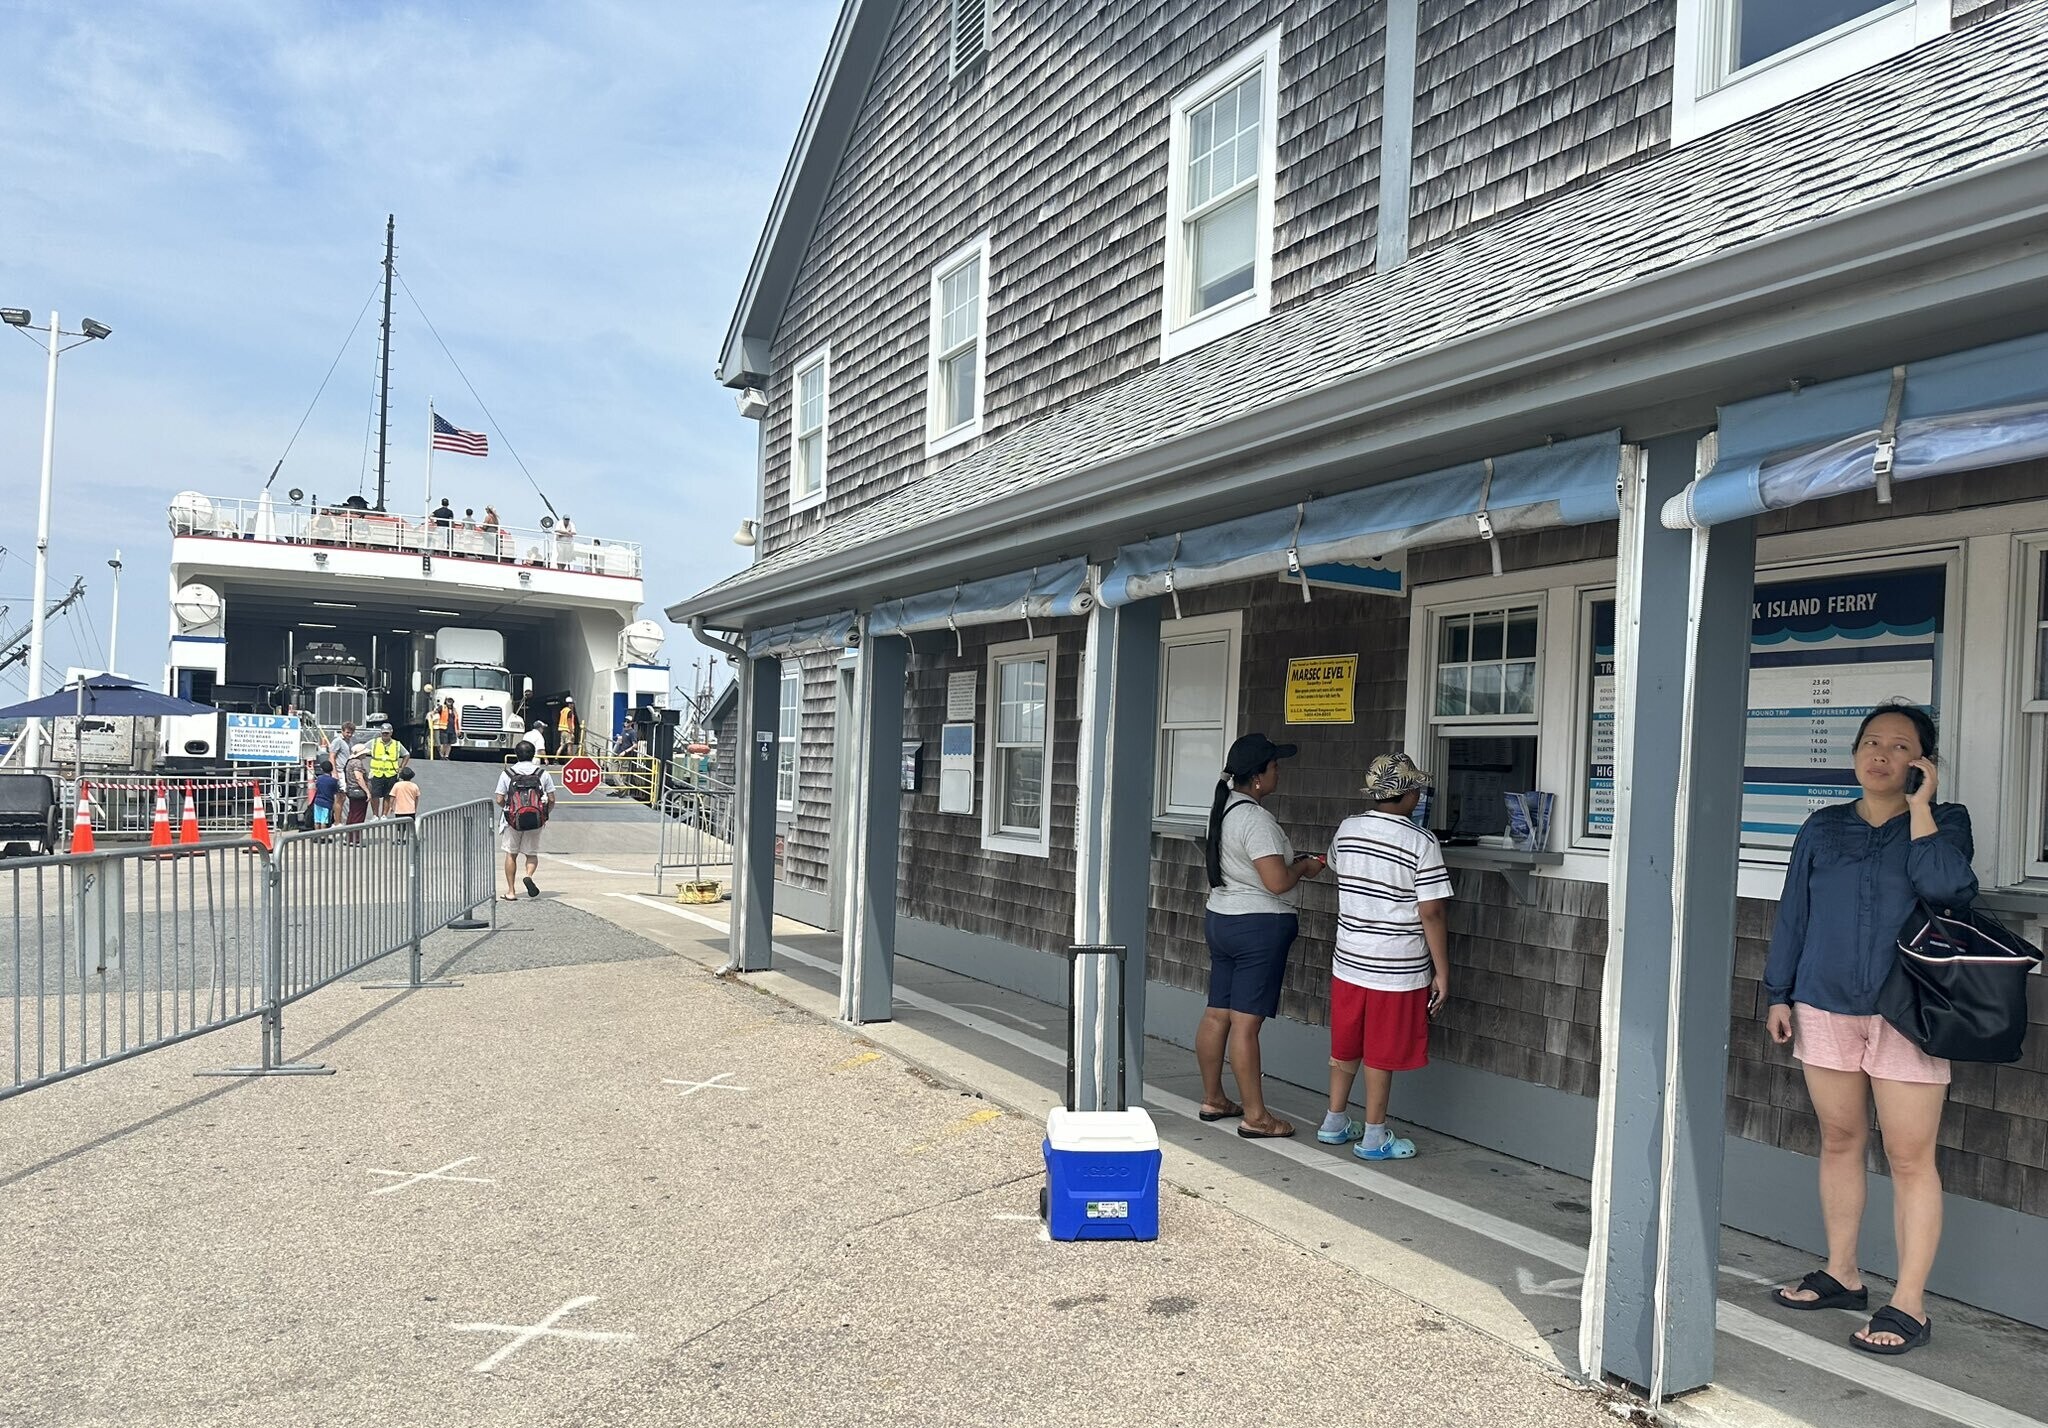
696	833
123	804
113	954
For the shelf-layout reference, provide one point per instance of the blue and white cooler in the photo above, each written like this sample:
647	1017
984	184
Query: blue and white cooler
1101	1175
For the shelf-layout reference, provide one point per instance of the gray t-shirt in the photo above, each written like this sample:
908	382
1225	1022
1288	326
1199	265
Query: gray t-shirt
1250	833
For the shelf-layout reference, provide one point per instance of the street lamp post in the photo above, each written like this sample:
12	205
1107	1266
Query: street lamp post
114	623
90	331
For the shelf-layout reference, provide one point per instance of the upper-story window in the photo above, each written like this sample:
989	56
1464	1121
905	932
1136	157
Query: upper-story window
810	413
959	330
1736	58
1219	200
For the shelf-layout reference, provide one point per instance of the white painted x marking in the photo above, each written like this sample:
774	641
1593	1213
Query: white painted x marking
409	1178
524	1334
716	1083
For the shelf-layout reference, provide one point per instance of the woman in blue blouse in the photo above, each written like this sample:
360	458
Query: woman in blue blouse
1856	871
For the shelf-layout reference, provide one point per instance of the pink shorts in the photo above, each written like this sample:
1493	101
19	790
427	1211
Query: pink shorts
1835	1041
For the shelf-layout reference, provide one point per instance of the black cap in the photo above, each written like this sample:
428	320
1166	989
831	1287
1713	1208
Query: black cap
1252	753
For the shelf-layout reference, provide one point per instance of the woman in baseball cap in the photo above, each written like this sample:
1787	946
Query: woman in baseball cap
1250	924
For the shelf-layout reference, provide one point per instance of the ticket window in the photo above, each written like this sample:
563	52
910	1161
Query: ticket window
1484	715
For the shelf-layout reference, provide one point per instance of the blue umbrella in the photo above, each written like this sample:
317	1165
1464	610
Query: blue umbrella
103	696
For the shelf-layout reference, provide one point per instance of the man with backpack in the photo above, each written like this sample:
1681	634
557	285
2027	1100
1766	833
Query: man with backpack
526	796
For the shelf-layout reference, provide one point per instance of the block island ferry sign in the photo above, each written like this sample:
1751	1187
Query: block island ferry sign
1322	689
1822	653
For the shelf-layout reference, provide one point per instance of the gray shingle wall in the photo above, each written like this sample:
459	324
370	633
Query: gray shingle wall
1969	12
944	875
1514	101
808	831
1059	155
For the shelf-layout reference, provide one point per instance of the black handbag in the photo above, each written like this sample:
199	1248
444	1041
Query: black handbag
1959	987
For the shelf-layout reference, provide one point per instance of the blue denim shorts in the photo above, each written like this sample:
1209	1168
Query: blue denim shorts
1248	959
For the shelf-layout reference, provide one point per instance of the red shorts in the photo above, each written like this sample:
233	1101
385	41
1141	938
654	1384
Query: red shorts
1388	1031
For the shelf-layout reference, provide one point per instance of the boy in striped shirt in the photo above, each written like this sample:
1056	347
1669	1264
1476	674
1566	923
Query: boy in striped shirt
1392	971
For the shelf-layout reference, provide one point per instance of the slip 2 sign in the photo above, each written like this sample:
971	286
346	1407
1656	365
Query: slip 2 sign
581	775
1322	689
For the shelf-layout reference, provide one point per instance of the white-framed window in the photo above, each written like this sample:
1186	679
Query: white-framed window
1198	680
959	348
1485	711
810	414
1736	58
2033	705
788	726
967	36
1018	811
1222	171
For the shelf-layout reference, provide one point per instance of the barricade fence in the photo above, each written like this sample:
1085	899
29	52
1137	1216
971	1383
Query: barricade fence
113	954
697	830
123	804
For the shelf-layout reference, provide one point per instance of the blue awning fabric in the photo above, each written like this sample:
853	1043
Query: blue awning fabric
1044	593
1962	412
1572	482
811	635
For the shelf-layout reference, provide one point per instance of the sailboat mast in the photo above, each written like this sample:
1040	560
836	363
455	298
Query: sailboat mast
384	360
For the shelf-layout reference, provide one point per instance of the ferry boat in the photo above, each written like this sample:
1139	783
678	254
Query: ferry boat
347	611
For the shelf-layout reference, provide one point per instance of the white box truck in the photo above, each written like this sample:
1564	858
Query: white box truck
469	667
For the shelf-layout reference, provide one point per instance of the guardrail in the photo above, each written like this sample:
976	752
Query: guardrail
114	954
123	804
347	528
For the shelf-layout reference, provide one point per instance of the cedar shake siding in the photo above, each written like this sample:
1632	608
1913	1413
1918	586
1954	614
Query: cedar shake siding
808	830
1057	152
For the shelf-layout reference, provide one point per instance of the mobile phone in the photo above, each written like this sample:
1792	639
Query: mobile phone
1915	777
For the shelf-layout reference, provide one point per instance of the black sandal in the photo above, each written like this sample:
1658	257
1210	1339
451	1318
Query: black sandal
1829	1291
1891	1320
1230	1115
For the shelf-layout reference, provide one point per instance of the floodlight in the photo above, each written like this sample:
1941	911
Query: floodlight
14	316
94	329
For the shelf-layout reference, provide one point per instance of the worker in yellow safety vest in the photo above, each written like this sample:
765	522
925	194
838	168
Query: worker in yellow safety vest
567	727
387	757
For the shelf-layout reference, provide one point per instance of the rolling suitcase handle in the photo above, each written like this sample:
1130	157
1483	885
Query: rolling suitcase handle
1083	961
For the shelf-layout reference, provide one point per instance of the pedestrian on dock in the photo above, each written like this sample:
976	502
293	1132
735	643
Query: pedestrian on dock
339	746
1392	971
326	787
387	758
355	784
405	795
568	727
1250	923
525	796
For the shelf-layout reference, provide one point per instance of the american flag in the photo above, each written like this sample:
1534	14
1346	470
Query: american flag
448	437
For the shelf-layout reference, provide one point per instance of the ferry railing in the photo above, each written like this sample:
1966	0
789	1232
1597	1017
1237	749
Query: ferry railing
113	954
347	528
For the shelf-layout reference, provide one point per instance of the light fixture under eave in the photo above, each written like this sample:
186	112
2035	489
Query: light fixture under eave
452	614
753	403
316	625
747	534
334	604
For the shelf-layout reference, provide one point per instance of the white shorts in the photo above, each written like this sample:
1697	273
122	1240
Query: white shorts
513	841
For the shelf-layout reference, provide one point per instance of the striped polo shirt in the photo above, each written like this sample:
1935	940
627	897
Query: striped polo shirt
1386	868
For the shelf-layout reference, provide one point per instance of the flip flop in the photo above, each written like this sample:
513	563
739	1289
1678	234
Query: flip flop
532	890
508	897
1230	1115
1889	1320
1249	1134
1829	1292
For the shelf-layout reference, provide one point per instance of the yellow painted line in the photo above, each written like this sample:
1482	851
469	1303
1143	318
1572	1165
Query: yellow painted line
861	1060
959	1127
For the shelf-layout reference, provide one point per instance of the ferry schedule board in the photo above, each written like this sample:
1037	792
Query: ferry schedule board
261	738
1823	651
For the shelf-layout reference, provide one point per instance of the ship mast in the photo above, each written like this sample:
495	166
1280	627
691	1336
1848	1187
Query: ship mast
384	361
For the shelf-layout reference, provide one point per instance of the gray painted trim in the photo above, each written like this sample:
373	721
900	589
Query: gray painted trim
851	58
1990	1256
754	885
1397	135
1655	356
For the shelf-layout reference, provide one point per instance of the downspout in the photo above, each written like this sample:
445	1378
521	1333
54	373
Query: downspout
703	637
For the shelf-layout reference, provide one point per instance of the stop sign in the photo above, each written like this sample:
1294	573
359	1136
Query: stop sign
581	775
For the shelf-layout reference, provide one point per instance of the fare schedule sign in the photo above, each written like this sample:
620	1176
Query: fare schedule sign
1322	689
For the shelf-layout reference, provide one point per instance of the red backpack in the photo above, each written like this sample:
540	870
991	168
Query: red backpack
526	804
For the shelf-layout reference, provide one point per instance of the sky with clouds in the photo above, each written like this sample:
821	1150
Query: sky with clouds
578	186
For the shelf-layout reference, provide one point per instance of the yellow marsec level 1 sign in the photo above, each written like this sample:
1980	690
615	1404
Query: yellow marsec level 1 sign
1322	689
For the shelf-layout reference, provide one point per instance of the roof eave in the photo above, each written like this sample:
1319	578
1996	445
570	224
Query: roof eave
850	60
1674	341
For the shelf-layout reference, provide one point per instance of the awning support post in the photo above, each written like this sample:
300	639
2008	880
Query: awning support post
753	885
1119	710
867	978
1682	635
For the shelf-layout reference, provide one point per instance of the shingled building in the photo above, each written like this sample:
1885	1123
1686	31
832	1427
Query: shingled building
1599	397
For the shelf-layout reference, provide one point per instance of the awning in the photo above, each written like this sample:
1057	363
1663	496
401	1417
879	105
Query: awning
1041	594
1962	412
807	636
1567	483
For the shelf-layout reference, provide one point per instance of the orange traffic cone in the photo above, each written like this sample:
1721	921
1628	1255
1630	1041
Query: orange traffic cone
160	822
259	826
188	821
81	826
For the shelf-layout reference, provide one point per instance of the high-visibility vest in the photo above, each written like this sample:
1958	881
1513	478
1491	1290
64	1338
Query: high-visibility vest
384	758
441	717
566	720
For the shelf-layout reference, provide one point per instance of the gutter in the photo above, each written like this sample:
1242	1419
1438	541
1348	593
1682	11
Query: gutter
1667	349
704	637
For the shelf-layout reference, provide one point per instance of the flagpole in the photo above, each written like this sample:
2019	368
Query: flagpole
427	501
